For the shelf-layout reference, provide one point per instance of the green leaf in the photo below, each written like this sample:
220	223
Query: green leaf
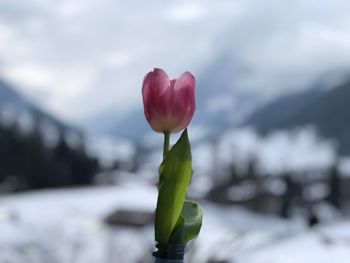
188	225
175	174
193	215
178	234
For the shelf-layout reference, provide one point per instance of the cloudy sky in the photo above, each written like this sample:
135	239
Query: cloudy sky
78	58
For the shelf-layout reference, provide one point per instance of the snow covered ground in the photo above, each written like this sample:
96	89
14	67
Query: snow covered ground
323	245
66	226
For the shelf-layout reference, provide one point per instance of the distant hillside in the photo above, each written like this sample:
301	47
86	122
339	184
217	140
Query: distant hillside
27	160
327	109
270	116
10	97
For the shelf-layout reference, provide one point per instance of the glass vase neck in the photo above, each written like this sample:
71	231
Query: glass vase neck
169	253
164	260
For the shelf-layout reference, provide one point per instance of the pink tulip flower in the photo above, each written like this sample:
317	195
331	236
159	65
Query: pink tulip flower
168	104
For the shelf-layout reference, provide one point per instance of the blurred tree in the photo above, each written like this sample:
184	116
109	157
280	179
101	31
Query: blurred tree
233	173
25	156
334	187
288	195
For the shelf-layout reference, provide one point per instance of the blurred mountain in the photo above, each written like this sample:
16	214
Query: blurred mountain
11	99
271	115
220	102
36	149
325	108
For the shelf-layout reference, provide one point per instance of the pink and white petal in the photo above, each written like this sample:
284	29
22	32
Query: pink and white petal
185	92
184	88
155	85
147	93
160	81
185	80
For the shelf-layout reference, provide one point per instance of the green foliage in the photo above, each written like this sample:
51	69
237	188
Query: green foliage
188	225
175	174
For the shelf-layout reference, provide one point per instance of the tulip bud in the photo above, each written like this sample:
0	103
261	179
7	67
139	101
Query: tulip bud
168	104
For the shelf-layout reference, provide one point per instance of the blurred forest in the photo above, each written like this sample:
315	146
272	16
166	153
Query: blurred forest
30	163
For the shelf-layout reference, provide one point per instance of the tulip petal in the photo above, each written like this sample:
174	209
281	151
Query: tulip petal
168	104
184	100
185	80
147	94
155	97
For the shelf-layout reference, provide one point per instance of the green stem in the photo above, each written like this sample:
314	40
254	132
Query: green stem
166	143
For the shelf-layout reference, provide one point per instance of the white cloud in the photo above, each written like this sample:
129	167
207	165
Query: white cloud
34	76
54	88
115	60
92	55
185	13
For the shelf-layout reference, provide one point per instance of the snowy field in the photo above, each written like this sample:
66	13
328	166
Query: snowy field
66	226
